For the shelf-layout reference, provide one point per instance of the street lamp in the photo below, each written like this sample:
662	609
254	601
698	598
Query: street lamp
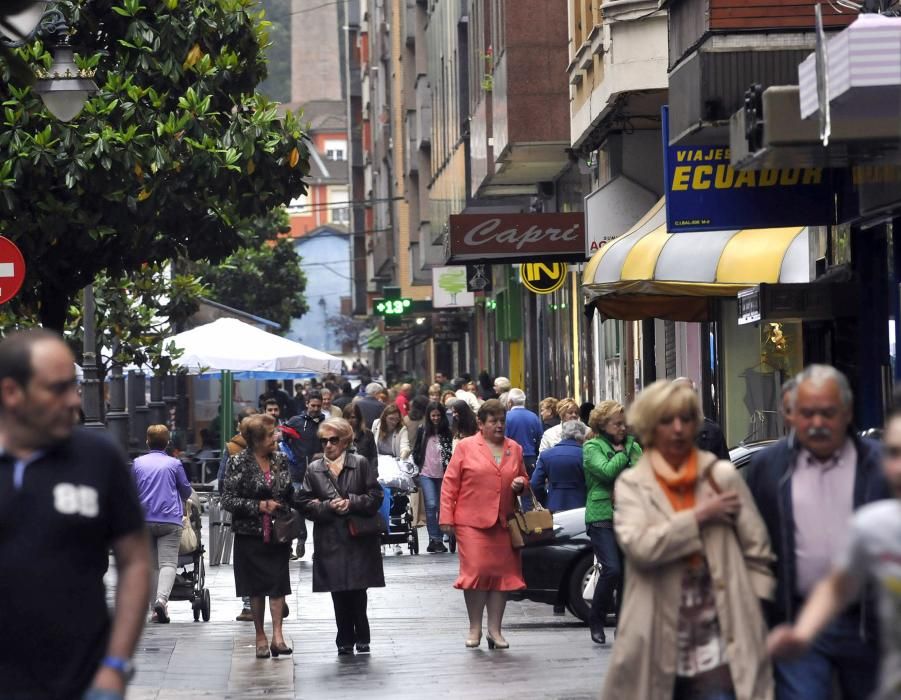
64	88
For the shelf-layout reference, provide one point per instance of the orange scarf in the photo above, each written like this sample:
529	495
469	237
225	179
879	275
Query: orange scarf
678	485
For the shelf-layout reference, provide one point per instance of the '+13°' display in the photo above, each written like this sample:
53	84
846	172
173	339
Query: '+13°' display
392	307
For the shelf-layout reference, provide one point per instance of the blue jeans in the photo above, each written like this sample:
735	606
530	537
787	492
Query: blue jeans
838	649
98	694
431	493
603	541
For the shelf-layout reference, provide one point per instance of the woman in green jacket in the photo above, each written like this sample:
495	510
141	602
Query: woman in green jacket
604	457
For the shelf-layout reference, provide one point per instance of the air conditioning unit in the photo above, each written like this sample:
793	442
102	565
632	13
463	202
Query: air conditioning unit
769	133
815	301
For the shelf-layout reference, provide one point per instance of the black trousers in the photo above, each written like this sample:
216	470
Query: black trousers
350	616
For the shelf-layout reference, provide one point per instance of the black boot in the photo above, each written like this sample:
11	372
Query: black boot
597	634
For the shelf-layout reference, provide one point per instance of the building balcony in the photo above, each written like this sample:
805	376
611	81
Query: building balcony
356	82
619	67
411	154
720	48
525	82
410	23
422	133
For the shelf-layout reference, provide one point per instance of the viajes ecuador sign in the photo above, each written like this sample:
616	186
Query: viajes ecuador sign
704	192
517	237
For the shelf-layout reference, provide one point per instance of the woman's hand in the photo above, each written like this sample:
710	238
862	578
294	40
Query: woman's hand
339	505
268	506
720	508
447	529
519	483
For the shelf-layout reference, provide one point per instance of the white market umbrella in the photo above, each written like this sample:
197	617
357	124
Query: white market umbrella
231	345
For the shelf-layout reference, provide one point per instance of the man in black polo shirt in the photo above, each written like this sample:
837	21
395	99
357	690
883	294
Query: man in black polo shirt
66	497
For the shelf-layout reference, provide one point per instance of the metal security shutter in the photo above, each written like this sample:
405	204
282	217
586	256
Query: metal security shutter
669	340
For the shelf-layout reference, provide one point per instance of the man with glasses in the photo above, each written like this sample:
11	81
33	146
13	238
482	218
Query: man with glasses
806	491
873	552
66	497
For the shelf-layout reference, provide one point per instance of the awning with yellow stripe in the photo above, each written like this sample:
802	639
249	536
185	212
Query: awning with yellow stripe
649	272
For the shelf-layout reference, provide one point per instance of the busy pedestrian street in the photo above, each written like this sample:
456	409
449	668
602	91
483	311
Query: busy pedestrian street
418	629
477	349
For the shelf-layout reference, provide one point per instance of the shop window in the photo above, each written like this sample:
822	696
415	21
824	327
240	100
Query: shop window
840	245
757	359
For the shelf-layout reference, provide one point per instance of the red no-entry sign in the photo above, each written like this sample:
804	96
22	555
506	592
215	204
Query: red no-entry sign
12	270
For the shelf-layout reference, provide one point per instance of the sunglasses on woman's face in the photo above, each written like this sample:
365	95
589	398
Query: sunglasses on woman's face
330	440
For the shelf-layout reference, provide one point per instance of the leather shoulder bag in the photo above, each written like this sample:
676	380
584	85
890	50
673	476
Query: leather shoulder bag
286	525
529	527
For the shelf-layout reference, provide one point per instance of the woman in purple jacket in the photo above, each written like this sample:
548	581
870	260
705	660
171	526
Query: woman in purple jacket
162	487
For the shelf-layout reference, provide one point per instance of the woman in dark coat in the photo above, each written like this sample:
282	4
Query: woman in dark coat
339	485
559	470
363	440
257	489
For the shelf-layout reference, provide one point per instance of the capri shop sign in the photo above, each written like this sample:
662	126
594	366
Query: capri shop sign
517	237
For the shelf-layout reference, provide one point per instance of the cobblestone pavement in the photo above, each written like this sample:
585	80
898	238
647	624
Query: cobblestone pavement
418	627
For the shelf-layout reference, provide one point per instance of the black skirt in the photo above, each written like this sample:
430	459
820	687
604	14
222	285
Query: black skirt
261	569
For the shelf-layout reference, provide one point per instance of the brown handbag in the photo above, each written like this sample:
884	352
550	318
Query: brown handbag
531	526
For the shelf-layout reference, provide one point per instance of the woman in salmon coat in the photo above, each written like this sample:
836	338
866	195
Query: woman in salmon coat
485	474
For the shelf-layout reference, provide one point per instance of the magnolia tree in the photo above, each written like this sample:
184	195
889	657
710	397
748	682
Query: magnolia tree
176	156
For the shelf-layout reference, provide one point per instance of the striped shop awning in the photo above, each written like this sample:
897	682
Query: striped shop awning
650	273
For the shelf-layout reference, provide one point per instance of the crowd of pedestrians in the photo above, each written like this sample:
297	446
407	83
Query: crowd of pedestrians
780	582
696	560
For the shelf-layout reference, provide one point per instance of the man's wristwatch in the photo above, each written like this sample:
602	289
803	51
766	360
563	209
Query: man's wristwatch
124	666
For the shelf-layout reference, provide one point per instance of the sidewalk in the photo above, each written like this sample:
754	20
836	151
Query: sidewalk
418	628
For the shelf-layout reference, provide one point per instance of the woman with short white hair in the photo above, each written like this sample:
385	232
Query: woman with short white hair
341	491
559	469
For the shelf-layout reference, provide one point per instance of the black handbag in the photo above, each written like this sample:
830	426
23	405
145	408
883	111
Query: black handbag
286	525
360	525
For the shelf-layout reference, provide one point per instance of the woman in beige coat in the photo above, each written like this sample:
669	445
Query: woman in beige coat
697	562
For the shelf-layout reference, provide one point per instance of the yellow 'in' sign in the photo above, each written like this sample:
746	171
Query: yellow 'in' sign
543	278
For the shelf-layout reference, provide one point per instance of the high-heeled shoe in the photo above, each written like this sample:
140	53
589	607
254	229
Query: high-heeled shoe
282	649
474	643
495	644
262	651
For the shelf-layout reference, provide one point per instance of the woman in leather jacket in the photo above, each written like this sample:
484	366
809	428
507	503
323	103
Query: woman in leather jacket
257	489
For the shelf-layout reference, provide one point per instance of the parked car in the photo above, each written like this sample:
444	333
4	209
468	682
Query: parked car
557	571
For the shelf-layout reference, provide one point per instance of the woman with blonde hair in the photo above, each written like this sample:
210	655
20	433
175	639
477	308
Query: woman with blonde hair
547	411
697	560
604	457
565	409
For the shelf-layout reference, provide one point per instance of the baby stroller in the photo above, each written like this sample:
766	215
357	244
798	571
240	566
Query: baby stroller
190	583
397	482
